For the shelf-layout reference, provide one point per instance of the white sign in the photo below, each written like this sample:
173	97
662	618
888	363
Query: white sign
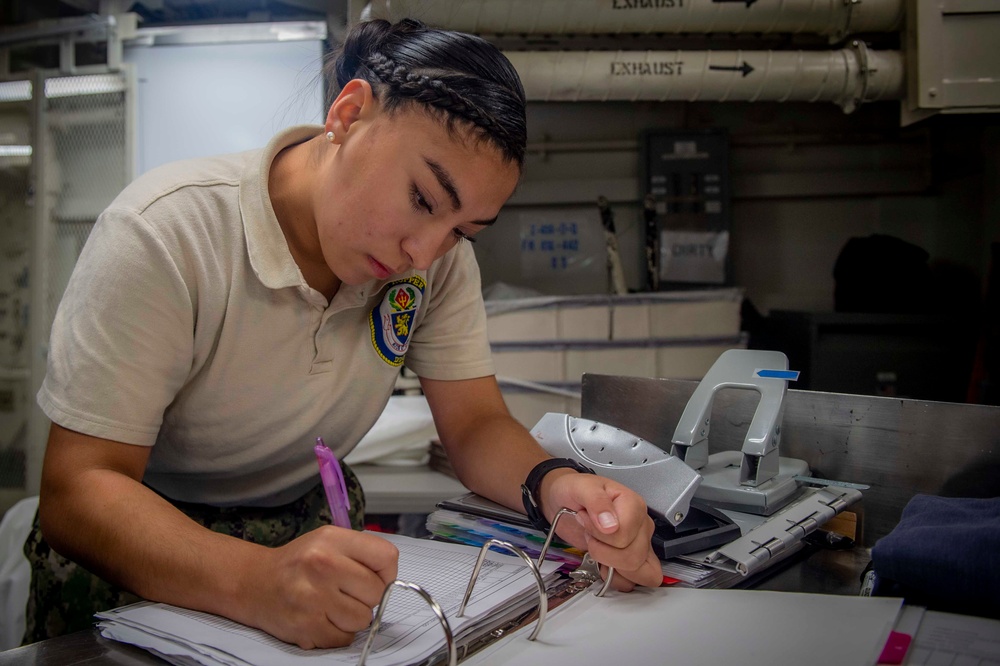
693	256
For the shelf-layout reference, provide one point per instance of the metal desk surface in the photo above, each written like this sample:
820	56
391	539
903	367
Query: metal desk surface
823	572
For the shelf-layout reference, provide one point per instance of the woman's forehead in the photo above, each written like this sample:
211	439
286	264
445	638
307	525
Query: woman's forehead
440	128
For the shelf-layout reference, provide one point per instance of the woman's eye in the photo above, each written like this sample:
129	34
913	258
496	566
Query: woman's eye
418	200
461	235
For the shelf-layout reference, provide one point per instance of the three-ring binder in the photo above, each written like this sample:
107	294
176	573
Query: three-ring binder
588	572
543	601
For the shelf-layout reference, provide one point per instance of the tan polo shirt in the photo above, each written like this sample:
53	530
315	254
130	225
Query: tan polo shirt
187	326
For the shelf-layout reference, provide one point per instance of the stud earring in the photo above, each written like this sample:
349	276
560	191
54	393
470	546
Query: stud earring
330	136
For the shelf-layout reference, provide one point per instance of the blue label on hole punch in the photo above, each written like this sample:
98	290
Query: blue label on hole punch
790	375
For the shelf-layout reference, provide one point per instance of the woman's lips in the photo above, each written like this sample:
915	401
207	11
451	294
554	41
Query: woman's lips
380	270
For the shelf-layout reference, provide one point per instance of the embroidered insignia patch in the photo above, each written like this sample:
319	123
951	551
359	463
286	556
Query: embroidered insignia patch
391	321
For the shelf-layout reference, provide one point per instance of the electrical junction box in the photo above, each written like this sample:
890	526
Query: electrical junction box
953	59
686	176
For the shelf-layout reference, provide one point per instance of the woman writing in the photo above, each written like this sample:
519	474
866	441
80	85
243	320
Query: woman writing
227	311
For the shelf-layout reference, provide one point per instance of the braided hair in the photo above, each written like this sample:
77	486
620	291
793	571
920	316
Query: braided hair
463	77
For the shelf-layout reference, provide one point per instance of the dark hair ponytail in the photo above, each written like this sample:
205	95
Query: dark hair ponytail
461	75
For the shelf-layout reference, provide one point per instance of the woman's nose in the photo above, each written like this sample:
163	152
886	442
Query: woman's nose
423	248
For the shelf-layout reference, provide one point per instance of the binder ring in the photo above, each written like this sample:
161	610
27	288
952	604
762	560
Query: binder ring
548	542
449	637
543	598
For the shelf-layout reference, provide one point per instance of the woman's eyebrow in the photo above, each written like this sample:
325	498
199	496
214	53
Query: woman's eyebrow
444	178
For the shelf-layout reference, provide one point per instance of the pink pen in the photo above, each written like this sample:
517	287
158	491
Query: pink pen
333	484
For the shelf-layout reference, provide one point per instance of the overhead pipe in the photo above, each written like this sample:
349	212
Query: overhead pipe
847	77
833	18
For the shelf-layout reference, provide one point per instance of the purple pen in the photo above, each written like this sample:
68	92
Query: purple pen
333	484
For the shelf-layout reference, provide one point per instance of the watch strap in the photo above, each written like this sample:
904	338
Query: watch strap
529	489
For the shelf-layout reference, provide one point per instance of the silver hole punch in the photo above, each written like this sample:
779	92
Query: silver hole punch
756	479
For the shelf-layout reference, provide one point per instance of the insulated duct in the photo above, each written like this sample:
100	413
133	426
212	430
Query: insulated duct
848	77
834	18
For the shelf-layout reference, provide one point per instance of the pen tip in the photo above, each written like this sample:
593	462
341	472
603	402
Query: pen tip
319	440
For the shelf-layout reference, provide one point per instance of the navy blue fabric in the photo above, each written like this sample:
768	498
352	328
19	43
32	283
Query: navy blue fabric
945	551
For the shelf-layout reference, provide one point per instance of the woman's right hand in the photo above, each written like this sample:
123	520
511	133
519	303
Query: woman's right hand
315	591
320	589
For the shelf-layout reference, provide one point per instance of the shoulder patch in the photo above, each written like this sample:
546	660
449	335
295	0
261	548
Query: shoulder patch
391	321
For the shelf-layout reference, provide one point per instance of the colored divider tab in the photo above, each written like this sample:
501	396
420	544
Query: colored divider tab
895	648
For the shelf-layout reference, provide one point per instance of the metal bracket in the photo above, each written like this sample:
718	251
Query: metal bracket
845	30
589	571
864	73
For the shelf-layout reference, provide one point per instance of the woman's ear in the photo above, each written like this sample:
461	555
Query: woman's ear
355	102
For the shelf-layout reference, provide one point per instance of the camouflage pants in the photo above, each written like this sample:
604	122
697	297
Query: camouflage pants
64	596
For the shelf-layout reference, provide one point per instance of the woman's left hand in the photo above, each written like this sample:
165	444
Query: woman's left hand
611	524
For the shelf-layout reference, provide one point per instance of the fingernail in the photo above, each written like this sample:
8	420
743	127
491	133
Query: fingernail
607	520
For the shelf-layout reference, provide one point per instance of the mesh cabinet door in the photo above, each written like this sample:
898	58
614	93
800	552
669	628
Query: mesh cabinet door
65	153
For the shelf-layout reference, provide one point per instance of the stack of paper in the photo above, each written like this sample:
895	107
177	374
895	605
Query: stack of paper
410	632
691	574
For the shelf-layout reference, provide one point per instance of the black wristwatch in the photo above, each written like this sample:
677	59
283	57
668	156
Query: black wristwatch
529	489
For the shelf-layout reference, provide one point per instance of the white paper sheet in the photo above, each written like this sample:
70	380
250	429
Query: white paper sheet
955	640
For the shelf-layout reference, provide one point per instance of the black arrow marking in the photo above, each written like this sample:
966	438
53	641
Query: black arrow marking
747	2
745	68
